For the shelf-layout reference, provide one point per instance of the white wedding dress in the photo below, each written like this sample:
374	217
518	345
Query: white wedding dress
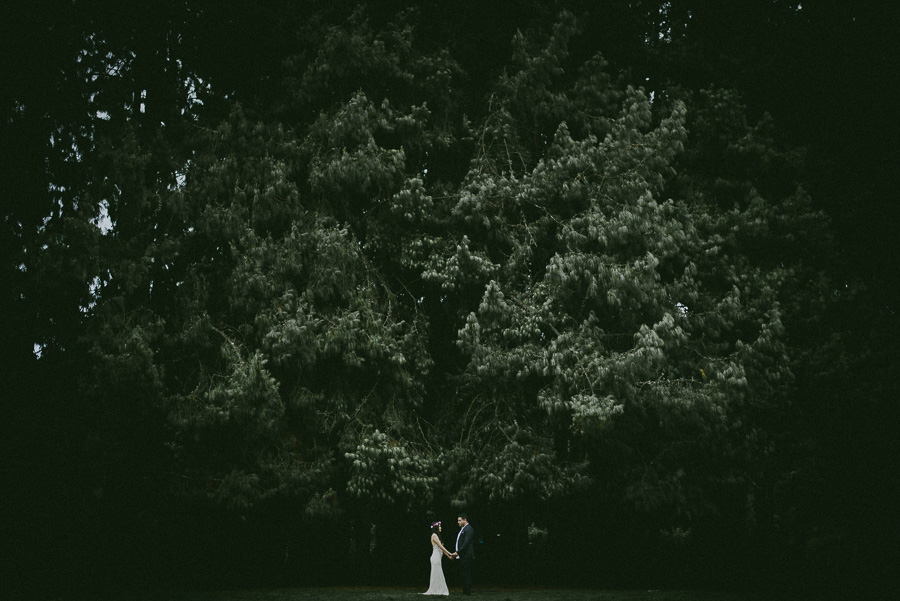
437	586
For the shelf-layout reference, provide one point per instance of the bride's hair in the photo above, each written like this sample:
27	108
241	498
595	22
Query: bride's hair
435	529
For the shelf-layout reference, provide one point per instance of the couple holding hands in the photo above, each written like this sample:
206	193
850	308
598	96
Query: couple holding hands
465	553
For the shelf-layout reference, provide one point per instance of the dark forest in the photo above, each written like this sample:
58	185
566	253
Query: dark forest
282	283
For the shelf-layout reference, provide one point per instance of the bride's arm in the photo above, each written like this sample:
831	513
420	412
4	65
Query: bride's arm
435	538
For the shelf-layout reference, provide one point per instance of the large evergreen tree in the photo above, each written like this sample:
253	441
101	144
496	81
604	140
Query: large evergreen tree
638	266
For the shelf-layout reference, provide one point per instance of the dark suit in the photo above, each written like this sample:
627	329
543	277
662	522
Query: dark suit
465	546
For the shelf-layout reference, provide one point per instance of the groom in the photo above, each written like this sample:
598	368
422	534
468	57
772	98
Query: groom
465	551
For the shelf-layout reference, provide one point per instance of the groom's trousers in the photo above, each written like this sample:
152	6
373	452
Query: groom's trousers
465	570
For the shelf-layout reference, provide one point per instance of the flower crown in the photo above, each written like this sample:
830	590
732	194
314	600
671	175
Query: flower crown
435	524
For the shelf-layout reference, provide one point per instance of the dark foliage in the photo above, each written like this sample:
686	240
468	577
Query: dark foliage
283	282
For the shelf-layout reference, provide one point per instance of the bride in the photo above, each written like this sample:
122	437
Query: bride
437	586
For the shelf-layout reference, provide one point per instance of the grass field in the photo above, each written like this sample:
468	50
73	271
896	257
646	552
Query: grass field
396	594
